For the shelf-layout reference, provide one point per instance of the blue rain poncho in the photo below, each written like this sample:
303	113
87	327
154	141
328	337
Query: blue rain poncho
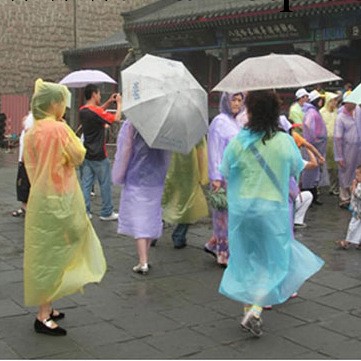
266	264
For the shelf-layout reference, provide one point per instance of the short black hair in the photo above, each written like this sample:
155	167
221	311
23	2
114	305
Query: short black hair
263	107
89	90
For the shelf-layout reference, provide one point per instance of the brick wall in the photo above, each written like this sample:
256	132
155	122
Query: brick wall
33	34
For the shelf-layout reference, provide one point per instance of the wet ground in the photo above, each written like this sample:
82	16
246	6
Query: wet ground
176	311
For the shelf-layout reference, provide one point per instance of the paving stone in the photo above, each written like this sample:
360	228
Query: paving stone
98	334
216	353
79	316
340	300
180	343
274	321
6	353
223	331
10	308
76	355
151	322
308	311
268	347
312	290
192	315
12	276
314	337
337	280
29	344
4	266
345	349
137	349
344	324
226	307
311	355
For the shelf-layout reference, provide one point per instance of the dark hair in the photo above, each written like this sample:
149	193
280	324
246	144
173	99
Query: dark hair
89	90
263	107
316	101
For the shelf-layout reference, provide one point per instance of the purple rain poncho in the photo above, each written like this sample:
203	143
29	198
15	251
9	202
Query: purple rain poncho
223	128
315	132
347	144
141	171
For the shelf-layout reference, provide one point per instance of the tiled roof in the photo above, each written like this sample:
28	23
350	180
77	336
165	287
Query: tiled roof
164	15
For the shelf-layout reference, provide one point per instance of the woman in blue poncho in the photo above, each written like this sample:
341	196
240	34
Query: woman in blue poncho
266	264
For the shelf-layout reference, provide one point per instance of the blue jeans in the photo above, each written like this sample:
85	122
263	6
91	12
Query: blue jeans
100	170
179	234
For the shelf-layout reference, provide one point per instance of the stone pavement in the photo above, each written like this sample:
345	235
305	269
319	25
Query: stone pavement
176	312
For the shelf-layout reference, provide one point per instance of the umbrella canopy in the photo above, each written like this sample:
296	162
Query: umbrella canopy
81	78
165	103
274	71
355	96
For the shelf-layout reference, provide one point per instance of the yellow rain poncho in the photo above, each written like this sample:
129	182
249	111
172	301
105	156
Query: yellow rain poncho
183	197
329	116
62	251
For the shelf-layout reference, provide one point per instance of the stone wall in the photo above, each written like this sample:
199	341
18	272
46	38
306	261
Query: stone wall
33	34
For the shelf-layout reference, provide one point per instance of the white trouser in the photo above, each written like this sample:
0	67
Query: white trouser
302	203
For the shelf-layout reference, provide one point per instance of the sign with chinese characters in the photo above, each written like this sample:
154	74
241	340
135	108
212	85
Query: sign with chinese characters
354	32
179	39
271	31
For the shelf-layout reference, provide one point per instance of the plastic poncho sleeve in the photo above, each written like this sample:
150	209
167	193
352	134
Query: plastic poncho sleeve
338	140
73	151
124	153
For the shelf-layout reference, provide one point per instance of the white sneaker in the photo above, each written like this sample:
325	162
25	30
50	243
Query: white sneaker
142	269
112	217
90	216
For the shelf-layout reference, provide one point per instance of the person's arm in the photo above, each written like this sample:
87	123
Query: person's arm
338	143
312	162
310	147
116	97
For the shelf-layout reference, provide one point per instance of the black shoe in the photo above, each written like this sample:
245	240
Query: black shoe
154	242
60	316
180	246
44	327
205	249
317	202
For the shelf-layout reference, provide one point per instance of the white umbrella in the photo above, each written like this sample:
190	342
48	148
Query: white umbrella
165	103
274	71
81	78
354	96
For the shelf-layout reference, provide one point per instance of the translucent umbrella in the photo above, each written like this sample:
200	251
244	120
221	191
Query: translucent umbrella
81	78
354	96
165	103
274	71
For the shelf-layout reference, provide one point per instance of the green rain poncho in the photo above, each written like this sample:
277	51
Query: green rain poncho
62	251
329	116
183	197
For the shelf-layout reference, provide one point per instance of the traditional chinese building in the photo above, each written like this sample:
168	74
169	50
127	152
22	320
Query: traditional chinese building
212	36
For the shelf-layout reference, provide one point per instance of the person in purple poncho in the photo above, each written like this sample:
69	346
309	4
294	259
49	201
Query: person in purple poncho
141	171
223	128
347	148
315	132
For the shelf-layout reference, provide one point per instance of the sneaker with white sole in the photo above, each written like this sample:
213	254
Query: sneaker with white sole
142	269
90	216
111	217
252	324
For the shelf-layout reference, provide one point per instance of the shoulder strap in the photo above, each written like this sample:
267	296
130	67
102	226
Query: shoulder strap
265	166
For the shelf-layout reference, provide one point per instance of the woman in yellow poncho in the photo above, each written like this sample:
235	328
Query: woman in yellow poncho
329	115
183	199
62	251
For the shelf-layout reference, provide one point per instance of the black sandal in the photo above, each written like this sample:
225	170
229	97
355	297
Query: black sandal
45	327
19	213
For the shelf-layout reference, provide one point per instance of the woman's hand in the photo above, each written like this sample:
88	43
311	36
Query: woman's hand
216	185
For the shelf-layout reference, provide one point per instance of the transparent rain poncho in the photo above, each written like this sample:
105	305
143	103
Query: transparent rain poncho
183	197
62	251
266	265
